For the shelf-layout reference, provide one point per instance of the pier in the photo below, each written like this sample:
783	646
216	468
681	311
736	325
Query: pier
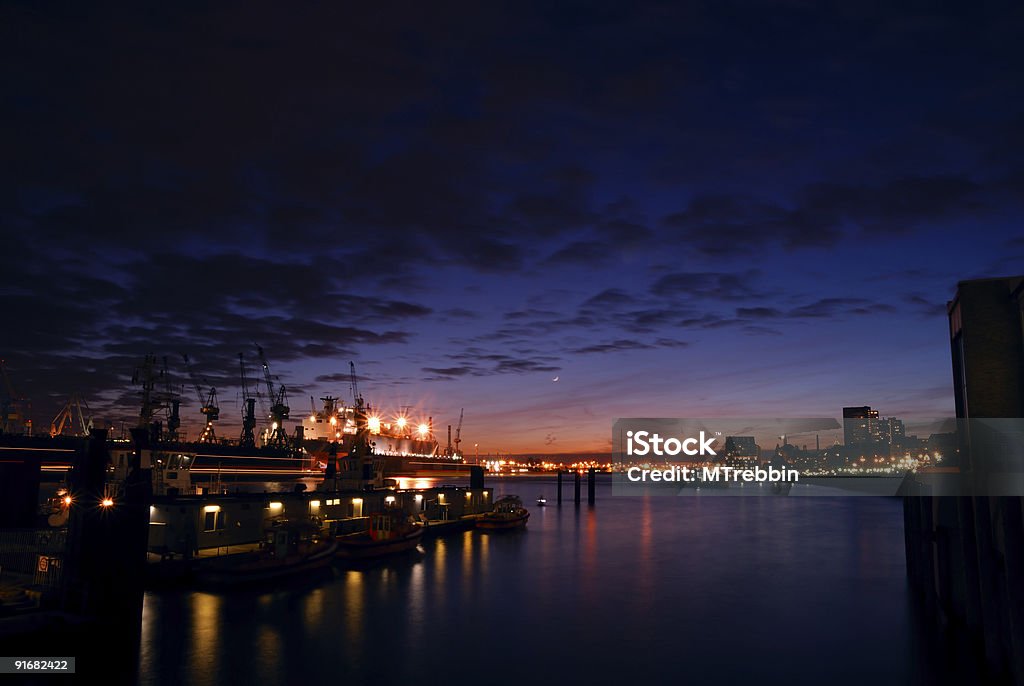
591	486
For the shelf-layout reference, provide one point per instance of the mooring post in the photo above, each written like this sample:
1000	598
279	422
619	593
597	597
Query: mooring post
577	485
559	486
591	479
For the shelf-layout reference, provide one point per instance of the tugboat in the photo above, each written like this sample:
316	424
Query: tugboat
288	549
390	532
508	513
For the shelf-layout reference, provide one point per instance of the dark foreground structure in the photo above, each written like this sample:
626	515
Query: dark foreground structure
91	588
965	552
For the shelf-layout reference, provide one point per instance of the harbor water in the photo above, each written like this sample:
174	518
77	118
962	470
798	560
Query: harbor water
634	590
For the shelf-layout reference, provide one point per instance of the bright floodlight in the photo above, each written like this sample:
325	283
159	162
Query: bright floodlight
423	429
401	422
374	424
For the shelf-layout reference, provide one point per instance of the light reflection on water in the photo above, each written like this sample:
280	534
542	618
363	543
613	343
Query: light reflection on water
655	589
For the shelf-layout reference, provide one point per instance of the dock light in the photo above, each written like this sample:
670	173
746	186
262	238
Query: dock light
374	424
67	500
211	508
423	430
418	497
106	502
314	504
275	505
401	422
357	501
469	494
389	499
274	426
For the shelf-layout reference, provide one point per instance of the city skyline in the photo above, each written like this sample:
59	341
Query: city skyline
672	210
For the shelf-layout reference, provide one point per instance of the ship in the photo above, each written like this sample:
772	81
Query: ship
405	447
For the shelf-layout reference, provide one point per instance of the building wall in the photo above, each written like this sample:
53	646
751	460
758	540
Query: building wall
965	554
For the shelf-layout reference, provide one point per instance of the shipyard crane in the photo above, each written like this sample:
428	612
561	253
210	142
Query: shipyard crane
173	404
458	432
248	437
279	410
154	400
207	404
357	400
72	417
13	419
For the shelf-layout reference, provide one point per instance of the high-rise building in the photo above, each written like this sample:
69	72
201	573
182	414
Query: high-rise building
741	451
895	430
860	425
745	446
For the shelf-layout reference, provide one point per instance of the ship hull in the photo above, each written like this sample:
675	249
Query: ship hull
361	547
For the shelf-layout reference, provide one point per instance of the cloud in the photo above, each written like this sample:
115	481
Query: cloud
624	344
707	285
830	307
926	307
478	362
821	214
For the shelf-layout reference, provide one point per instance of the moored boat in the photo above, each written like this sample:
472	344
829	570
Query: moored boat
390	532
289	549
508	513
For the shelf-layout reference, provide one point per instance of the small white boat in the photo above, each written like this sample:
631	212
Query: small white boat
542	501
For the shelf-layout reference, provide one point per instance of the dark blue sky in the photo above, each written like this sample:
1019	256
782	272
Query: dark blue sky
680	209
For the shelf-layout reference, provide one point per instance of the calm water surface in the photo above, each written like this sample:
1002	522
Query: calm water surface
658	589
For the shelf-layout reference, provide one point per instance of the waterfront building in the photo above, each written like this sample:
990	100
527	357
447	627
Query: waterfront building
860	425
986	318
964	553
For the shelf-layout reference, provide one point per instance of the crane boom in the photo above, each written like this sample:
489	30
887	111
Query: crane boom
279	410
248	436
266	373
458	432
207	404
353	384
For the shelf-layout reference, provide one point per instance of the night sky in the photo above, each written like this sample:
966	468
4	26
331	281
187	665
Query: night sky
682	209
